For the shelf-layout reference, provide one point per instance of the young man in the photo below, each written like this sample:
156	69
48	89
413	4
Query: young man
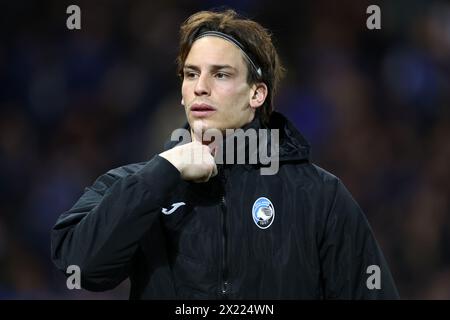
180	228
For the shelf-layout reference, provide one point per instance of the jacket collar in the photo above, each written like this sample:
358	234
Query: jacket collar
293	147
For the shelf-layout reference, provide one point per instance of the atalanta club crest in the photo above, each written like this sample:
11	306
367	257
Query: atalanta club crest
263	213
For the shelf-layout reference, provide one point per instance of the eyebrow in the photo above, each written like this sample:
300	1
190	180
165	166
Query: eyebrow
213	67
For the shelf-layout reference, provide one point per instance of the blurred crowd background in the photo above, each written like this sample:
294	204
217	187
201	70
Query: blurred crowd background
374	104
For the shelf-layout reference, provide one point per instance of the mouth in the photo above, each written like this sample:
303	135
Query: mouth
202	110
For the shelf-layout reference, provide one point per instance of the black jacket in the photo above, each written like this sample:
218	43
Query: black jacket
318	244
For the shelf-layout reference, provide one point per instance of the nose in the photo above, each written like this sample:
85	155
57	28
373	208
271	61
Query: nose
202	86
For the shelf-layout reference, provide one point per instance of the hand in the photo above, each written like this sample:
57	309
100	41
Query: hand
194	160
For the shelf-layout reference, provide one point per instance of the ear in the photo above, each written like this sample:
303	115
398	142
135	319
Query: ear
258	95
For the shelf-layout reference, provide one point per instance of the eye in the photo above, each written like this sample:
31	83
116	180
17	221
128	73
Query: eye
189	75
221	75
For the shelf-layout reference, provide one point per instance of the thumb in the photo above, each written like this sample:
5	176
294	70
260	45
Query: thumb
197	131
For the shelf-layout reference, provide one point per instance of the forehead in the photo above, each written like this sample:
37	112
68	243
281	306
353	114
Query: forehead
212	50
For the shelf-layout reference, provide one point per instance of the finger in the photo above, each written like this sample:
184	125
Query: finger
208	152
201	180
197	131
215	171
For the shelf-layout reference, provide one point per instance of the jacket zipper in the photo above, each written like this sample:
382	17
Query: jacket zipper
224	279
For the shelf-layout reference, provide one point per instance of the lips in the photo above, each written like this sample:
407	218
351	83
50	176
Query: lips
202	110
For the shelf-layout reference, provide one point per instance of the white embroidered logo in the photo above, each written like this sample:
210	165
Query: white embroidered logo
175	206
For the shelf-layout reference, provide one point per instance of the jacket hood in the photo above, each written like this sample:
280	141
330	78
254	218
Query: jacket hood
293	146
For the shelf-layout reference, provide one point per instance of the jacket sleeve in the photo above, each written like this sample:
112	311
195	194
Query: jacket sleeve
352	263
101	232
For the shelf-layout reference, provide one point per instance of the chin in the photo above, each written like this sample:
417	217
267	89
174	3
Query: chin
205	122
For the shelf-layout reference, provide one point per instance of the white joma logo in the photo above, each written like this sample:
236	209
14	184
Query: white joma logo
175	206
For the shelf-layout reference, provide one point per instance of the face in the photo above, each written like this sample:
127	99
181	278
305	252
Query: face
215	89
